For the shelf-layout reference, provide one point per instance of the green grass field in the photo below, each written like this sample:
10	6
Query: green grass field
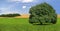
22	24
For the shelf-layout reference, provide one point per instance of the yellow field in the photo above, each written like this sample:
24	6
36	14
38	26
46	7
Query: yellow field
58	16
27	16
23	16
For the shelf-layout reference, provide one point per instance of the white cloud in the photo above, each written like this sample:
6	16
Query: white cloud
23	1
26	1
13	0
7	11
3	9
23	7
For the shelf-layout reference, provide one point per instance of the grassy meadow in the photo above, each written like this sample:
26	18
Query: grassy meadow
22	24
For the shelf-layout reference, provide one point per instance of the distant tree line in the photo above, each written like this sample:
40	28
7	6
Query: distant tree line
10	15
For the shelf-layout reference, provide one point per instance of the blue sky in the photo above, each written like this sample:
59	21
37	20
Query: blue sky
23	6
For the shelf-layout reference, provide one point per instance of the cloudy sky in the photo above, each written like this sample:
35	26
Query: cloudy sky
23	6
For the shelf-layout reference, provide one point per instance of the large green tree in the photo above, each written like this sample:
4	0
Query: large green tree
42	13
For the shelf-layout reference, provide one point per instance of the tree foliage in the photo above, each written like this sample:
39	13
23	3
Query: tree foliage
10	15
42	13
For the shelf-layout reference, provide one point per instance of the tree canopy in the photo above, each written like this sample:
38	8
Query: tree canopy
42	13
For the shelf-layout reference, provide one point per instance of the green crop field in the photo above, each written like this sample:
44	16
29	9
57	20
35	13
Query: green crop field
22	24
